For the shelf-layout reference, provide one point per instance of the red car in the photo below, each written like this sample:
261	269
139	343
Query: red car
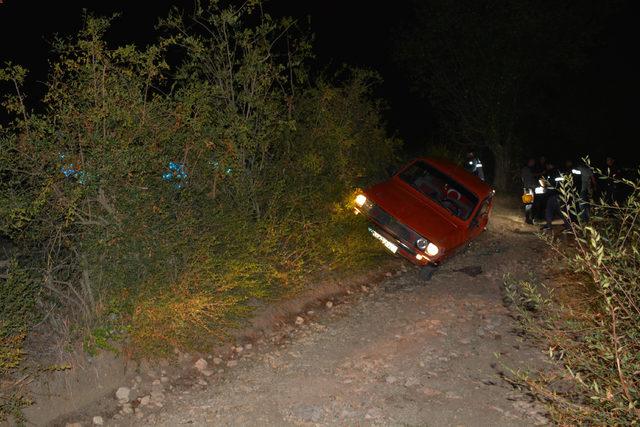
427	211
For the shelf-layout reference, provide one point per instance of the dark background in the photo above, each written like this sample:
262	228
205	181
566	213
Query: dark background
596	107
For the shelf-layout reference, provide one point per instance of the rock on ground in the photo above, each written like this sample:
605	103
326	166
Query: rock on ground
122	394
201	364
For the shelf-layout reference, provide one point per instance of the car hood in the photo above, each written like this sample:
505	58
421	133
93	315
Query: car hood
411	209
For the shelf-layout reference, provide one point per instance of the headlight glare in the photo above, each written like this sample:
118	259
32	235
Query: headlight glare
361	199
432	250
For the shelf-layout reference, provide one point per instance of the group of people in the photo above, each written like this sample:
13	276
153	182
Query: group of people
543	179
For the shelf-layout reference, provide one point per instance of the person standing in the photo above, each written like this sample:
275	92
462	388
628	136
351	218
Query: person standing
541	166
527	176
569	169
553	179
611	185
474	165
587	186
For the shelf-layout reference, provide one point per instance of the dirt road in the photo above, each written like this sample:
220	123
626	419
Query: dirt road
401	352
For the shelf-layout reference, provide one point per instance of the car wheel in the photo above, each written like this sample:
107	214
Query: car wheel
426	272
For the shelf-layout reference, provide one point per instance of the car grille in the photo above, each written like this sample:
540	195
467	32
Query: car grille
390	224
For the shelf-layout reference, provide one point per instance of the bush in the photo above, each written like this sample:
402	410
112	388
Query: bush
156	205
592	325
18	297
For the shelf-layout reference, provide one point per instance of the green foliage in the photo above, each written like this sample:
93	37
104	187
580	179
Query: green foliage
594	329
18	297
526	295
236	89
271	161
333	127
443	151
100	338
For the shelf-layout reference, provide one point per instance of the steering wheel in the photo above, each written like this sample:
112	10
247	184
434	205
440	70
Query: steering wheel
453	194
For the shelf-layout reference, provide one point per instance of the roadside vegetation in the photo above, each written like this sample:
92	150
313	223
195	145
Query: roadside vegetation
158	194
590	316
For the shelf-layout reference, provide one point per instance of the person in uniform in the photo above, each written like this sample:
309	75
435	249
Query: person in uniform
587	185
553	179
568	166
612	193
474	165
575	175
541	167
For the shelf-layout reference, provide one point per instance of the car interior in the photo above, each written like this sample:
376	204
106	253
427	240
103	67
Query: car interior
444	191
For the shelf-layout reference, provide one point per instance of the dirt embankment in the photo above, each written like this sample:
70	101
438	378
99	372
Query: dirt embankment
90	383
394	351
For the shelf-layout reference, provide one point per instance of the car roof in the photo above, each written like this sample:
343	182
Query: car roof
462	176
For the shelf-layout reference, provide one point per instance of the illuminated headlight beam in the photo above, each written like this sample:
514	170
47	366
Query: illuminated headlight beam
432	250
361	199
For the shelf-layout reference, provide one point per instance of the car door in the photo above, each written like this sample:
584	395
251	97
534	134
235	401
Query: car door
481	218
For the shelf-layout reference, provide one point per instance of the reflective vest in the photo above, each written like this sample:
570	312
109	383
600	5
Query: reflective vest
475	167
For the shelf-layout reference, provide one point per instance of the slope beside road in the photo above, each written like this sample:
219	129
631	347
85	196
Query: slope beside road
400	352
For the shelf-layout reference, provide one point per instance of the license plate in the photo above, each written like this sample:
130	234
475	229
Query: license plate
387	244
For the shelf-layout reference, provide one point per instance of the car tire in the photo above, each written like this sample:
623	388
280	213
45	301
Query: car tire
426	272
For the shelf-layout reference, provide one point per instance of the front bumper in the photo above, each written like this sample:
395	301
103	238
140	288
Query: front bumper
387	229
403	249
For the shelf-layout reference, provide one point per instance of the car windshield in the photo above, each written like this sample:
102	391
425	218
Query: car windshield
440	188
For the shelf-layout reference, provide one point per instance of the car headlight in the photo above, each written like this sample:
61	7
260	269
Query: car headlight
361	199
422	244
432	250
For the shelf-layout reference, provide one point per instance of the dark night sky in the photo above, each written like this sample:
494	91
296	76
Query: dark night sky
600	101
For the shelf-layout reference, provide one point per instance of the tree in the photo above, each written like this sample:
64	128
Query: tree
483	65
240	71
